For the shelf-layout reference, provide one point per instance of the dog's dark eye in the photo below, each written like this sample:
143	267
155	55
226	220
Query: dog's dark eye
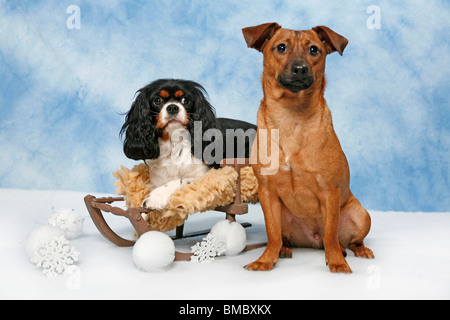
313	50
158	101
185	100
281	48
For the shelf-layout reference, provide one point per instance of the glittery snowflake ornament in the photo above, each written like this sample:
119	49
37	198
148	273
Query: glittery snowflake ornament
67	220
209	248
55	256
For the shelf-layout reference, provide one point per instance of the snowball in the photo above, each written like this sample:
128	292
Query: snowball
69	221
39	236
154	251
233	234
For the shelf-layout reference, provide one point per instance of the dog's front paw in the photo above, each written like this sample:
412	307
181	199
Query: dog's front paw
159	197
260	266
337	263
155	201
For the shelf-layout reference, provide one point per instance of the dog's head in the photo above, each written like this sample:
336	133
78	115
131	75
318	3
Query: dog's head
296	59
159	108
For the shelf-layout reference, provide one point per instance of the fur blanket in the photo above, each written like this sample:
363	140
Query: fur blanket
215	188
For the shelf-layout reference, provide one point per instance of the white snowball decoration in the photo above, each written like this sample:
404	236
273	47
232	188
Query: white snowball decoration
232	234
69	221
39	236
154	251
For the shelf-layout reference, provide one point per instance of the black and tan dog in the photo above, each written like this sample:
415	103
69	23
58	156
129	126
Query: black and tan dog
172	126
307	202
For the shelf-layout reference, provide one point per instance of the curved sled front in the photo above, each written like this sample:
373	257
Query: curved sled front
95	207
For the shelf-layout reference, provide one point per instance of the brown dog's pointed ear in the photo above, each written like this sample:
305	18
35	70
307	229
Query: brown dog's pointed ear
332	41
257	37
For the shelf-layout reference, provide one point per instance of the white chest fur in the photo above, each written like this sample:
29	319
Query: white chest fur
175	160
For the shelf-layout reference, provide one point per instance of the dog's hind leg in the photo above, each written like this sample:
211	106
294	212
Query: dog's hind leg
354	225
285	252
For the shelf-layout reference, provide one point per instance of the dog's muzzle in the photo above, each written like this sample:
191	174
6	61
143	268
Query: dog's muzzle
173	113
296	77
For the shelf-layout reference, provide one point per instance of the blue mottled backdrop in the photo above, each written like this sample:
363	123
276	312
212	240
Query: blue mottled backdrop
70	69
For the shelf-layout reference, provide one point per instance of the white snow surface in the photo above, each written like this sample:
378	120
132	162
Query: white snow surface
412	259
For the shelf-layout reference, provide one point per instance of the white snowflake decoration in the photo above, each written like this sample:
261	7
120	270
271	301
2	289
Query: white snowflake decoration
55	256
67	220
209	248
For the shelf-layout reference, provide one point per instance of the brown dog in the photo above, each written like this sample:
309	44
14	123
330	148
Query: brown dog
306	200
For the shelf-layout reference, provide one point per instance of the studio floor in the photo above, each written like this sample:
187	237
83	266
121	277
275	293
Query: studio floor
412	258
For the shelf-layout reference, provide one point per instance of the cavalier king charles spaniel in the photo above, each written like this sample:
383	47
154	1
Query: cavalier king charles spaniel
173	128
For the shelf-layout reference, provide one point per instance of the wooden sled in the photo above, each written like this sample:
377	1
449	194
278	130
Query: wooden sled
97	206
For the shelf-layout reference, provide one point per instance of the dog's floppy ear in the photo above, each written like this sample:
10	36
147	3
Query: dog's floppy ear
257	37
141	141
332	41
203	112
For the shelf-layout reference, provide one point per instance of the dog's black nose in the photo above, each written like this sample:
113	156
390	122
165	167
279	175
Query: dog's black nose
172	109
299	68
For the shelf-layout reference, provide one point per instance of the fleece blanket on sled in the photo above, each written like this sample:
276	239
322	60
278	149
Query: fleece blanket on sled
216	188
